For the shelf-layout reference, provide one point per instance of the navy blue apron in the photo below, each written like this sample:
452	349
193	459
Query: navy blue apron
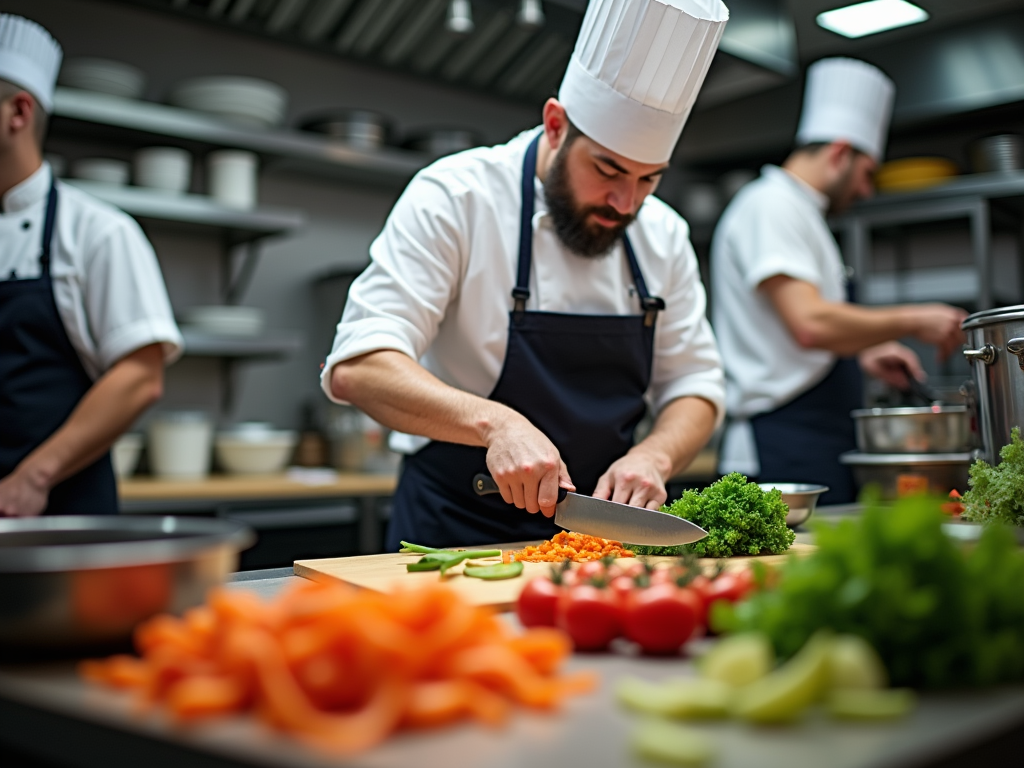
580	379
801	442
41	382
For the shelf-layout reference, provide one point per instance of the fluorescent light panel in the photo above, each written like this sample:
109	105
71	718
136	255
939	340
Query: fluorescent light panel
871	17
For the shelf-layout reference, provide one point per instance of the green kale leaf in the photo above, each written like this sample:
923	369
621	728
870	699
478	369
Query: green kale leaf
997	493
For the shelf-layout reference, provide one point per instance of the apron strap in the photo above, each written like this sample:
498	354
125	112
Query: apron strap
48	223
650	305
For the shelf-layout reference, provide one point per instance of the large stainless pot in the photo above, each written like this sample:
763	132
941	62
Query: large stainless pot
72	582
995	348
931	429
897	474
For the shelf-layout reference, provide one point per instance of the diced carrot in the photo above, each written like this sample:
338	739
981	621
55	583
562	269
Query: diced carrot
203	696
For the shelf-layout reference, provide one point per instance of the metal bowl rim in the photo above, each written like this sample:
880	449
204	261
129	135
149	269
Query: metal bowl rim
868	413
201	535
862	459
795	489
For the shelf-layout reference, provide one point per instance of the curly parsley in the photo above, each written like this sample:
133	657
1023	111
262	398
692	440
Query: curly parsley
739	517
997	492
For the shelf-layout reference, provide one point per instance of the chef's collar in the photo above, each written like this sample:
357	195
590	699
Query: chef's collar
819	198
28	192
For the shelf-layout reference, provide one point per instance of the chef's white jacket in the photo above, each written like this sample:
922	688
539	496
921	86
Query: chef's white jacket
107	284
774	226
439	284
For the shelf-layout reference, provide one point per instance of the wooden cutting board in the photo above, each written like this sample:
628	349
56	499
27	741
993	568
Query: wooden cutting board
384	573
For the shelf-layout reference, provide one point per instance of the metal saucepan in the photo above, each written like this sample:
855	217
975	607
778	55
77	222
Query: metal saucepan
801	498
900	474
359	128
78	582
928	429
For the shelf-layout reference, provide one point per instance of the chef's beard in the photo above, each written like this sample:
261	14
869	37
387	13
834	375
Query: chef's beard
571	220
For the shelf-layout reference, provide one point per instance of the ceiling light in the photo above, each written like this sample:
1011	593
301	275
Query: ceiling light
868	18
531	14
460	17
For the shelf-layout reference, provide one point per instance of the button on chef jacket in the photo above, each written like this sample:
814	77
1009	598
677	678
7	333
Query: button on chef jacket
107	284
439	284
774	226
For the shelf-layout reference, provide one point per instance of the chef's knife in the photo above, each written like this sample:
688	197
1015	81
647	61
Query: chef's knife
611	520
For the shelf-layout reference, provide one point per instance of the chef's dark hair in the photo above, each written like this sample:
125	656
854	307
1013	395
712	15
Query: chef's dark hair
9	89
813	147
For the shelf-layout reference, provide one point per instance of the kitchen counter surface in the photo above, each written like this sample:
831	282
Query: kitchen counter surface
45	710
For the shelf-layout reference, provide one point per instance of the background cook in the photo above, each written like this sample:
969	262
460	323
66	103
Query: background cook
85	323
524	299
787	332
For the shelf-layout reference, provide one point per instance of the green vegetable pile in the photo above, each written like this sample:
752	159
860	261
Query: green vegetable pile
997	493
938	615
739	517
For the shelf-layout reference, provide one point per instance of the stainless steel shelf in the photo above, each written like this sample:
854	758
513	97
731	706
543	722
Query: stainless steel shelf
238	226
984	185
292	150
266	346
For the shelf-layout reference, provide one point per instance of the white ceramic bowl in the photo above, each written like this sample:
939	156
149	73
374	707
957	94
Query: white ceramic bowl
179	445
232	177
225	320
125	454
103	76
168	169
255	452
239	98
102	170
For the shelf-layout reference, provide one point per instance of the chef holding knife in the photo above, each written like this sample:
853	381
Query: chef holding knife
523	300
792	345
85	324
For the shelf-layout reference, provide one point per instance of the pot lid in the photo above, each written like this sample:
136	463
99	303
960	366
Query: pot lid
857	458
862	413
990	316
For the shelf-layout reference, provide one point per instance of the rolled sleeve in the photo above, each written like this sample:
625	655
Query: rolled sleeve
125	298
774	244
686	362
416	263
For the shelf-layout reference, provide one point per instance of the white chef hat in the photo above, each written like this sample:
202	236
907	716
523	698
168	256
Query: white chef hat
636	71
29	57
847	99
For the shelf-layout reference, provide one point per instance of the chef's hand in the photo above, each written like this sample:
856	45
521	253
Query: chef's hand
21	495
635	479
890	362
939	324
526	466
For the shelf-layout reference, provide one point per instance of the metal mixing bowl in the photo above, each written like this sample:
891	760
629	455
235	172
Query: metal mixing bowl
801	498
898	474
75	582
929	429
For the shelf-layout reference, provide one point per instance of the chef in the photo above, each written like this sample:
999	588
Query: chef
792	345
85	324
525	302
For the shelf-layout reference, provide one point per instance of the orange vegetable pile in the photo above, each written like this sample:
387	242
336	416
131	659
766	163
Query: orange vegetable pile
341	668
564	545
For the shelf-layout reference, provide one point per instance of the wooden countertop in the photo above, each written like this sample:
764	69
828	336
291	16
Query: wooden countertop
224	487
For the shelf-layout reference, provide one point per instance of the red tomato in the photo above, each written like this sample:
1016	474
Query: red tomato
661	618
627	566
732	586
622	587
664	575
701	587
590	570
538	602
590	615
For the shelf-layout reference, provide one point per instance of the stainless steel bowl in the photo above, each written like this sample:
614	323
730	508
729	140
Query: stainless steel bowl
359	128
901	473
801	498
75	582
930	429
997	154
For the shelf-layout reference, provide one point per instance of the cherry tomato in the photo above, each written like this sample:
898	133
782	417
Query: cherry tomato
627	566
590	570
661	618
701	587
538	602
732	586
622	587
664	575
591	617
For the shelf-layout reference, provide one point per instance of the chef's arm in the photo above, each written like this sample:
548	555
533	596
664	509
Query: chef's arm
401	394
682	428
110	407
846	329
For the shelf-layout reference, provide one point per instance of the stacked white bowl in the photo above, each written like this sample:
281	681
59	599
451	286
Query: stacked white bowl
103	76
102	170
224	320
179	445
168	169
254	448
239	98
231	176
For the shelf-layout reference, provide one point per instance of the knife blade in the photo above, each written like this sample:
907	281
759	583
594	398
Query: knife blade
611	520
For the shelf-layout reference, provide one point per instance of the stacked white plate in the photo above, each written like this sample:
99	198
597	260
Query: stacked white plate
101	169
103	76
224	320
240	98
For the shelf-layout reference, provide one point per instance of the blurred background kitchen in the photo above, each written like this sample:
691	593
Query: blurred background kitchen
261	144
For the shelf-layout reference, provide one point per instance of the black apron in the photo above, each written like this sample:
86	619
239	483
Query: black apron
41	382
580	379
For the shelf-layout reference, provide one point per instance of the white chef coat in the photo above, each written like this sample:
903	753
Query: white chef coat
774	226
440	279
107	284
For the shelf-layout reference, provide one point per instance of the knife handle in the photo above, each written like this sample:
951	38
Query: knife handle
484	484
